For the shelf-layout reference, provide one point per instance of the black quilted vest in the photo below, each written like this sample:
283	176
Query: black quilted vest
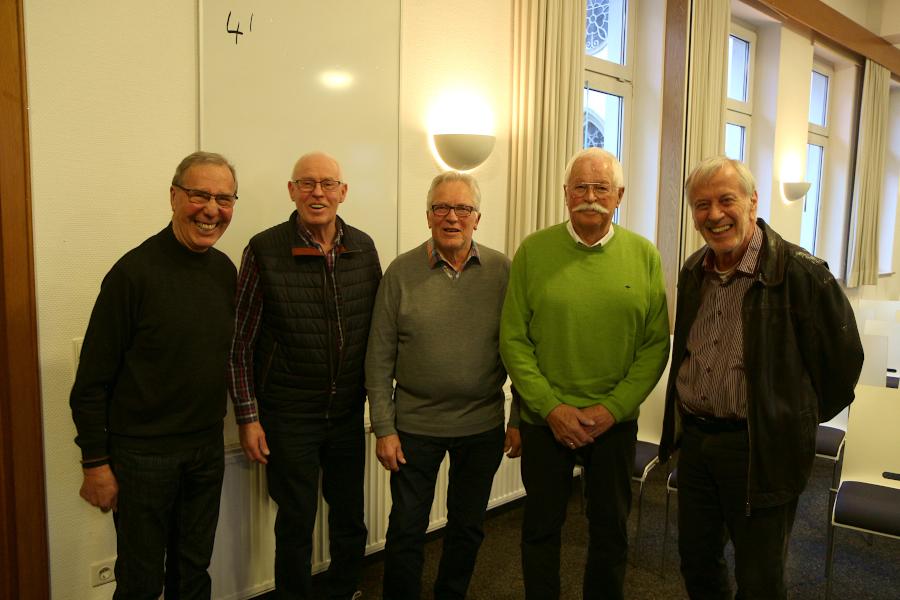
298	370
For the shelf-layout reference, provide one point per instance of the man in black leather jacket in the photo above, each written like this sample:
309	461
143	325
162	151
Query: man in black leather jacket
766	347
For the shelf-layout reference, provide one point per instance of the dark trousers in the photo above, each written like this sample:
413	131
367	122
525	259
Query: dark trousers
547	474
168	508
299	449
712	506
473	461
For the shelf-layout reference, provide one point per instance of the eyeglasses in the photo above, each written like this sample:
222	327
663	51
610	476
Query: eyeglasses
580	190
462	211
308	185
202	197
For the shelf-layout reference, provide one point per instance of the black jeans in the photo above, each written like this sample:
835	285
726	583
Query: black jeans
168	508
547	474
299	448
712	504
473	461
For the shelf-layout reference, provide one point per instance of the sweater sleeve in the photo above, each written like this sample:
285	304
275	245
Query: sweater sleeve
516	346
381	357
108	336
651	352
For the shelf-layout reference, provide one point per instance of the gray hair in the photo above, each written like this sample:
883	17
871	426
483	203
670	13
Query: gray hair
599	154
707	169
202	158
449	177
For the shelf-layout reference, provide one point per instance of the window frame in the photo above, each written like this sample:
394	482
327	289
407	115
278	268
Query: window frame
612	78
746	34
741	120
817	135
827	70
625	71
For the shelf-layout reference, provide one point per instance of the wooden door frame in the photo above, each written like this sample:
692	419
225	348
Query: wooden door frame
24	556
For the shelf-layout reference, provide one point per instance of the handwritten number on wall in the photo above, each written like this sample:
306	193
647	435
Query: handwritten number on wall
237	30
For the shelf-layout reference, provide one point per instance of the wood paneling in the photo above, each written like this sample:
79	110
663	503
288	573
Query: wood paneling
23	519
671	155
832	25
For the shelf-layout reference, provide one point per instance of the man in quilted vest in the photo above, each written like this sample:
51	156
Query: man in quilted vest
305	294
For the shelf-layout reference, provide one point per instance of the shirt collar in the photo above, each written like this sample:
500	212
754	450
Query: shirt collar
436	260
748	262
310	241
601	242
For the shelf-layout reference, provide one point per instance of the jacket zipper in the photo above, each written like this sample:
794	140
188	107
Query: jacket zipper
331	367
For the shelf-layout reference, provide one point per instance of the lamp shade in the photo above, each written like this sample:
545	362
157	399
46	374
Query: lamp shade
794	190
463	151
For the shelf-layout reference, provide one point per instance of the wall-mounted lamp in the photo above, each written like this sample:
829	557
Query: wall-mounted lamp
463	151
461	129
794	190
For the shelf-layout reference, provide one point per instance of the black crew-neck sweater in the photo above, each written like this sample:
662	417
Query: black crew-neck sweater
152	368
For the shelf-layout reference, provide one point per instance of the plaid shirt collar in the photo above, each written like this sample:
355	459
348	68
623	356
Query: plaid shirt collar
310	241
436	260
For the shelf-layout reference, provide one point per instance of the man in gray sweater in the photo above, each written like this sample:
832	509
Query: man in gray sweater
435	331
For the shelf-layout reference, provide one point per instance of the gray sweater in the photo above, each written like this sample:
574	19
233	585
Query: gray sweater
439	339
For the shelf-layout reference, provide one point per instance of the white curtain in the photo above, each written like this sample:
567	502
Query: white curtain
862	241
707	78
548	59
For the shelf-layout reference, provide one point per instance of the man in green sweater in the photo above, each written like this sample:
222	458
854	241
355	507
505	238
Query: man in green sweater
149	395
585	337
435	330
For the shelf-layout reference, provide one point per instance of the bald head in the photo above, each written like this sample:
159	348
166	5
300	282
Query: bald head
316	158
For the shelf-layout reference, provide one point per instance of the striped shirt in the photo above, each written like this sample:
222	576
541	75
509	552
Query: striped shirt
248	313
711	381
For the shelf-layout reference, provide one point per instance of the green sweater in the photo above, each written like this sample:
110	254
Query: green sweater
439	338
584	326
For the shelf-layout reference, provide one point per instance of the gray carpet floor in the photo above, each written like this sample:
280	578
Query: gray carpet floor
865	568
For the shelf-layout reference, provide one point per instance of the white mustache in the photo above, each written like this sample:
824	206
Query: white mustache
595	206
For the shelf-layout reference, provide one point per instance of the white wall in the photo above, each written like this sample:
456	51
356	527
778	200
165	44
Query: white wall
466	47
113	106
640	200
781	107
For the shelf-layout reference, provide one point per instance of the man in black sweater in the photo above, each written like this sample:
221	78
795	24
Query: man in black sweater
149	395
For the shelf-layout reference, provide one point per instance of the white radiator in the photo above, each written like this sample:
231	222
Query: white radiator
244	556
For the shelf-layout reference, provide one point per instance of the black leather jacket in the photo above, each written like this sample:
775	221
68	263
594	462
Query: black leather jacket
802	357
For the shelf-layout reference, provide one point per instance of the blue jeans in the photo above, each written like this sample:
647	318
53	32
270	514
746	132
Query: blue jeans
547	474
473	461
712	502
168	508
299	448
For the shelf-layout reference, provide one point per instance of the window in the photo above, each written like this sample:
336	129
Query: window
608	77
739	103
817	144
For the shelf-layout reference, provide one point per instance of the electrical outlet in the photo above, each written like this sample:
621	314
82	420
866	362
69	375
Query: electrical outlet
103	572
